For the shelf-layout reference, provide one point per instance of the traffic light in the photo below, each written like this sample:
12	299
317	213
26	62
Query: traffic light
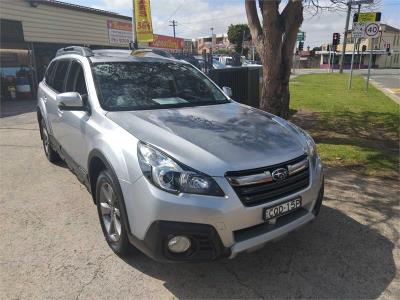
301	46
336	39
364	48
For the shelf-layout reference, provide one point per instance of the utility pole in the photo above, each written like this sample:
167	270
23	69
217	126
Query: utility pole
174	23
212	38
352	55
346	28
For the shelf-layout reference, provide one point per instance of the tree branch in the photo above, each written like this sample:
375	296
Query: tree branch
253	20
271	15
292	16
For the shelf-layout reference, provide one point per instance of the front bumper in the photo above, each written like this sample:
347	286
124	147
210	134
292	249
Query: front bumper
221	224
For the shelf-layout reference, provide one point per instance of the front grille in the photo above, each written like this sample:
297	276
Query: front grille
267	190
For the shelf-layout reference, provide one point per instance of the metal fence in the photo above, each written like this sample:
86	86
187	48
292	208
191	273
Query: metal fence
244	82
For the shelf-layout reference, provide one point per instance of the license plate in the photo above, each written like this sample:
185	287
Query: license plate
281	209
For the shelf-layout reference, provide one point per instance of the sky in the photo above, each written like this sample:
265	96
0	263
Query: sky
196	17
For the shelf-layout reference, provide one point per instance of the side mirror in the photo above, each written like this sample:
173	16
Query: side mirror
71	101
227	91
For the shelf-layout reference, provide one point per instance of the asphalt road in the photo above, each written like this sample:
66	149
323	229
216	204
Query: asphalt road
51	244
388	80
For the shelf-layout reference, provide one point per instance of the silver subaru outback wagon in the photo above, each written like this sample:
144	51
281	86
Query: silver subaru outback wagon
175	167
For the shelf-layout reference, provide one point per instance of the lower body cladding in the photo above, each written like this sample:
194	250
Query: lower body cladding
185	227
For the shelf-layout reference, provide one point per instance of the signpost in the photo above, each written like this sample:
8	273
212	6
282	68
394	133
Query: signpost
301	37
365	25
349	4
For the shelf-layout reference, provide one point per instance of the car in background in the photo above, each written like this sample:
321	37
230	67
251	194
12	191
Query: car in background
226	60
218	65
250	63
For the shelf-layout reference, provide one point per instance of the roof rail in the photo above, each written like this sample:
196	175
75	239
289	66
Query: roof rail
84	51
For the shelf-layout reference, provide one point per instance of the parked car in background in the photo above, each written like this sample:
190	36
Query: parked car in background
175	167
218	65
226	60
250	63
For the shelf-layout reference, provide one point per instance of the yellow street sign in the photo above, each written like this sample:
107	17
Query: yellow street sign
367	17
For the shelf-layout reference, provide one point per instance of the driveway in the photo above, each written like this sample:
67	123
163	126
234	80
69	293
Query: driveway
52	246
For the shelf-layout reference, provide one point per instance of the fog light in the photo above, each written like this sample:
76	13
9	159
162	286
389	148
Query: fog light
179	244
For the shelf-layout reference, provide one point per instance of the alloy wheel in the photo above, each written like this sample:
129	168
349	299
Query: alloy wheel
110	212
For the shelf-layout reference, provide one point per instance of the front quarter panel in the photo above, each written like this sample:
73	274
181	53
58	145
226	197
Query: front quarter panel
117	145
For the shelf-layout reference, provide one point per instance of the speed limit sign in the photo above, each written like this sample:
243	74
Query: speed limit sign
371	30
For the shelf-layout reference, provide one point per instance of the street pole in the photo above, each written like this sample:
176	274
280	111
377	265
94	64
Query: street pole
345	37
241	52
329	59
351	67
134	35
294	63
369	66
212	38
333	60
352	56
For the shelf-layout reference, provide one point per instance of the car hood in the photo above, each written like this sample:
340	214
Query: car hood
215	139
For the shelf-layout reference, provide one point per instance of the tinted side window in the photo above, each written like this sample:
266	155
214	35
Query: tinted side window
48	76
76	79
59	75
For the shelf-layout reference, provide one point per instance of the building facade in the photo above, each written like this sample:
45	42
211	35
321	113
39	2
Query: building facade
33	30
213	42
388	39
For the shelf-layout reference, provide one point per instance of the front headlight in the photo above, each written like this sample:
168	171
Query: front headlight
172	177
311	147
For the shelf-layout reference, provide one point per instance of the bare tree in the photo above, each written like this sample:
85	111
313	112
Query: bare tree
275	39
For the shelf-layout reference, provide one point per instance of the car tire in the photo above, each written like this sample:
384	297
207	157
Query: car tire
111	216
50	153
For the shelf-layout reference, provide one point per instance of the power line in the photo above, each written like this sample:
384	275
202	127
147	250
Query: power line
179	7
202	31
214	19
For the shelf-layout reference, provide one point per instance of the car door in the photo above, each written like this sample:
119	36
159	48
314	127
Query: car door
57	85
73	123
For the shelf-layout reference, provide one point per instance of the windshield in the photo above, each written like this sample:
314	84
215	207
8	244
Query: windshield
152	85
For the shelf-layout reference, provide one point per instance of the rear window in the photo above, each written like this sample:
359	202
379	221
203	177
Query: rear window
59	75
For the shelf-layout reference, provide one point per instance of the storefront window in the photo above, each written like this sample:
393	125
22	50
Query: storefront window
16	74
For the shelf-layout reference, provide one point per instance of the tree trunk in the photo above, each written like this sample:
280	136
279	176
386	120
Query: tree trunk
275	41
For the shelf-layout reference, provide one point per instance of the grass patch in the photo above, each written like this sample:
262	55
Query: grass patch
353	128
367	161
